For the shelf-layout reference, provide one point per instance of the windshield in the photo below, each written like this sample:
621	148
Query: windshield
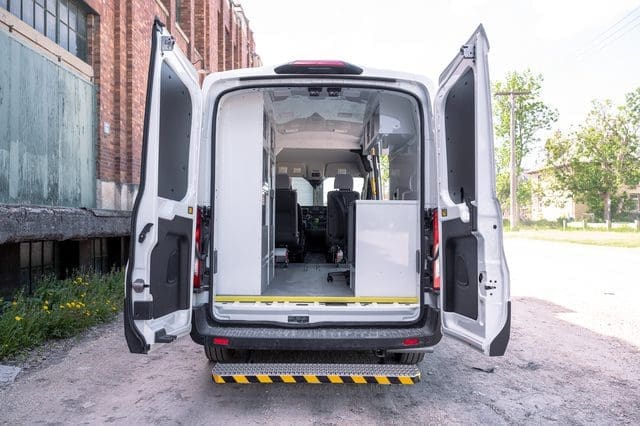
327	186
305	190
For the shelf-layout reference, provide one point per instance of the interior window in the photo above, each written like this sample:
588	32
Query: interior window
397	172
304	189
327	186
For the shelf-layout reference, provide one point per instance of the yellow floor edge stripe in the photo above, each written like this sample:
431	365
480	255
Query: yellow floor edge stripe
312	299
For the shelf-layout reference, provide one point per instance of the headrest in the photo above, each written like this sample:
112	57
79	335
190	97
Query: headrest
412	182
283	181
397	194
343	182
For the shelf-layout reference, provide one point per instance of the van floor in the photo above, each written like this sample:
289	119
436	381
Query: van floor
307	279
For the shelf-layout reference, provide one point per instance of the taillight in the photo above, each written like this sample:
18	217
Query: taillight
321	66
436	248
196	266
411	341
221	341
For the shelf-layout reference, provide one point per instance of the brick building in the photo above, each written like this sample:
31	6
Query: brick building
72	94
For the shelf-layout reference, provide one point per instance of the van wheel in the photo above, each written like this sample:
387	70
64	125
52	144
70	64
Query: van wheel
410	357
218	354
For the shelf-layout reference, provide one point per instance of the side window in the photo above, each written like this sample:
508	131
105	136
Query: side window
175	136
397	171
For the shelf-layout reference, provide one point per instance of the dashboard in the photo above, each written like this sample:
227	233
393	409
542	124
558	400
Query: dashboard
314	217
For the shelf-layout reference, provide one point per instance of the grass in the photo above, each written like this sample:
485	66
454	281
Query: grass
591	237
58	309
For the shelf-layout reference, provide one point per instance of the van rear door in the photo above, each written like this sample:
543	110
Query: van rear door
159	280
474	277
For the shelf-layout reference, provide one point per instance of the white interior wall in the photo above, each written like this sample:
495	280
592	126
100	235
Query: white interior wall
238	194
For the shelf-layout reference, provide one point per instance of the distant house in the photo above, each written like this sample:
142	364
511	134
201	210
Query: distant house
550	204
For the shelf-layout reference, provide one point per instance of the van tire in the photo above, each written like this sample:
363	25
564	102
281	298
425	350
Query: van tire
410	357
218	354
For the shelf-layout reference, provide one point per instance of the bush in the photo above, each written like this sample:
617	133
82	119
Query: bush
58	309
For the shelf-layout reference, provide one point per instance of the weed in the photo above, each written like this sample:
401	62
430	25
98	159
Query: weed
58	309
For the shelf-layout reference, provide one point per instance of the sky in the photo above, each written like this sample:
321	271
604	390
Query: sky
584	49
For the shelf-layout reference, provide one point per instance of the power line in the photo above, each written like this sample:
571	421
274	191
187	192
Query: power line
621	35
598	39
617	22
622	28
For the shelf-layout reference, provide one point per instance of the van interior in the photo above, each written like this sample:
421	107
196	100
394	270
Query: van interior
318	190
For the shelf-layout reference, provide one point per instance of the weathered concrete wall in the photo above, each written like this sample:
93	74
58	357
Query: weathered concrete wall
24	223
47	134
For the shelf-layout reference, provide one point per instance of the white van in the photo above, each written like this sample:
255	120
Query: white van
317	205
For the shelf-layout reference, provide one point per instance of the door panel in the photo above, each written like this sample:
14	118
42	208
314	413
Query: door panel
460	268
474	275
460	132
159	280
175	133
170	279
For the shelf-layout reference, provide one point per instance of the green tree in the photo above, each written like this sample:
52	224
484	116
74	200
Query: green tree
532	115
597	161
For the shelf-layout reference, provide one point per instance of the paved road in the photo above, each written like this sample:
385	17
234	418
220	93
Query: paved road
574	357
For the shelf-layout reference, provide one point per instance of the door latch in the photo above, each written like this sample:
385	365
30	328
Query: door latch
161	336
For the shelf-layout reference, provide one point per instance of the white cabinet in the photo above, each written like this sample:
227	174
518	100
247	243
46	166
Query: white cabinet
386	244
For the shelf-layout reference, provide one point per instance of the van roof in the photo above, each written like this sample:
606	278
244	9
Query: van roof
368	73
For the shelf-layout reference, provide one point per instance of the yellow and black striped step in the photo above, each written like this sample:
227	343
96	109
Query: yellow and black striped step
383	374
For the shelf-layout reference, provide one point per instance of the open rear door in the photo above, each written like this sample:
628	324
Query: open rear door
159	281
476	305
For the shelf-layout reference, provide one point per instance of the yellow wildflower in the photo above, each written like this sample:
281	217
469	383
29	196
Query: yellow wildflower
46	302
45	307
18	318
68	305
14	303
61	306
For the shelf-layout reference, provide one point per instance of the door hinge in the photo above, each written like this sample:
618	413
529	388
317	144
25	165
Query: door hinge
167	43
468	51
214	261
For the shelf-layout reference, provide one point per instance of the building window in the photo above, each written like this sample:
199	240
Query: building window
37	258
179	12
100	259
63	21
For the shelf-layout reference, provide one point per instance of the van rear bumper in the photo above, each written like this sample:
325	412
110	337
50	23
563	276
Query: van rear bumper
354	338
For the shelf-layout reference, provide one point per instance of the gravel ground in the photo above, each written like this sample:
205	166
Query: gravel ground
574	358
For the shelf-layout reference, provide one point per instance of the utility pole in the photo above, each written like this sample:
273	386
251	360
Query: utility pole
513	186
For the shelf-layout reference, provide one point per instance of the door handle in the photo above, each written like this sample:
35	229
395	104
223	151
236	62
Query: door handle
143	233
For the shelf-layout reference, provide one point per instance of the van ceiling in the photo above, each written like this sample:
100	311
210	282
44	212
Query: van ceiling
323	109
